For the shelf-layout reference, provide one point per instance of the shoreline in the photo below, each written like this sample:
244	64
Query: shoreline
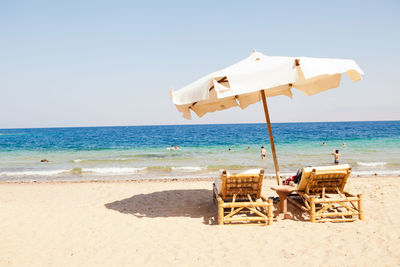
199	179
165	180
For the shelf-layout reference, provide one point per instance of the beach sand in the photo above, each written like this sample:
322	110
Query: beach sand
168	223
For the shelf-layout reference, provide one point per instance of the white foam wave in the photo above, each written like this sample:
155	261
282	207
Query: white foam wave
112	159
187	168
371	164
113	170
33	173
109	171
379	172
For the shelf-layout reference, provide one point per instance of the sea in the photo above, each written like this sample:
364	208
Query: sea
144	152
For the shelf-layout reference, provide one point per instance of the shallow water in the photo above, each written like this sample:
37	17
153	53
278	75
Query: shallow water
141	151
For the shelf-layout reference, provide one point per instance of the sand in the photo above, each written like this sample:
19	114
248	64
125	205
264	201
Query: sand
156	223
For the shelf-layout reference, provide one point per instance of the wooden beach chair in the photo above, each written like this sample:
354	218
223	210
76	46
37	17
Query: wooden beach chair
321	193
239	199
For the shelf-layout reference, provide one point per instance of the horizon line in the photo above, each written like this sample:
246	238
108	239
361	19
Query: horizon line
196	124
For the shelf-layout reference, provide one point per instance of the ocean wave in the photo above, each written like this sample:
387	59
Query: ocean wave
377	172
371	164
156	155
75	171
231	167
174	168
101	160
187	168
116	170
34	173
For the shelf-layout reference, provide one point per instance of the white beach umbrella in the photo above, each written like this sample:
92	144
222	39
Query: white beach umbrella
257	77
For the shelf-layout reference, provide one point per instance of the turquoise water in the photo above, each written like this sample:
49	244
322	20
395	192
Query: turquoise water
90	153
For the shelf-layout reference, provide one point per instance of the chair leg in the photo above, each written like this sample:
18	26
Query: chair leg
360	208
214	196
220	212
312	209
270	211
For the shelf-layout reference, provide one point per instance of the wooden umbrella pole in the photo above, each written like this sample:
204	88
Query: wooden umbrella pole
271	138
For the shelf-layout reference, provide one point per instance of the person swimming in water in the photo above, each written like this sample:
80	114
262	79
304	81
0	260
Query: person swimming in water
336	155
263	152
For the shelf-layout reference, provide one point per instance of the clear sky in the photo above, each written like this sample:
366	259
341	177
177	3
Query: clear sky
99	63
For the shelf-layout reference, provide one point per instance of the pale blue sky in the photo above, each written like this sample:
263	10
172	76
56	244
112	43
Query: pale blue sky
95	63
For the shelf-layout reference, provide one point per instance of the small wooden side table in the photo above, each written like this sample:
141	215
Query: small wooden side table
283	191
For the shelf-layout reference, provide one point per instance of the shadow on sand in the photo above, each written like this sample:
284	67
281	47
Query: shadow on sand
295	213
194	203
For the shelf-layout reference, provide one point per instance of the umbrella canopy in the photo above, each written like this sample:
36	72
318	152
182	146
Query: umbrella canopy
259	76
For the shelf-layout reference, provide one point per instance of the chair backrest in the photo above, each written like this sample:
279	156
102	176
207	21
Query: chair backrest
327	178
241	185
